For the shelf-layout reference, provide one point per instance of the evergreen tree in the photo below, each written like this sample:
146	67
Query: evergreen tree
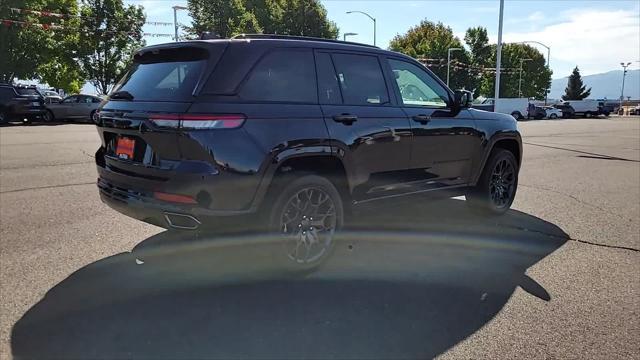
575	90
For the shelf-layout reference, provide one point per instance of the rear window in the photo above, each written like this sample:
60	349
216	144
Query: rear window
28	91
164	75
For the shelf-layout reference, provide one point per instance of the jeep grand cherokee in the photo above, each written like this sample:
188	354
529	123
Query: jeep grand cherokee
298	130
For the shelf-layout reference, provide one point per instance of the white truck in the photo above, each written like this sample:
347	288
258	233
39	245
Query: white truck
586	108
516	107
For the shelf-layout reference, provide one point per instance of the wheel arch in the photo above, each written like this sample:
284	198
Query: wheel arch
511	143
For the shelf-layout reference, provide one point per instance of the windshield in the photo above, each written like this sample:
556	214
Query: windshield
27	91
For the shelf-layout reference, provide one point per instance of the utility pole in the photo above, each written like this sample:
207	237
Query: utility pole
520	81
498	56
624	74
449	61
175	19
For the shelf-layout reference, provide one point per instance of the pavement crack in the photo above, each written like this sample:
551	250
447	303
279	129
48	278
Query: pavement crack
537	187
605	245
47	187
600	156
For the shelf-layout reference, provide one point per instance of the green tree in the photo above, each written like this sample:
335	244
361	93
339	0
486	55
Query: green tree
109	34
536	76
223	17
477	41
26	49
575	89
287	17
432	41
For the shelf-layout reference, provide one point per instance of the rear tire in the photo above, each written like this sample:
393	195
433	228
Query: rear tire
496	188
306	212
92	117
553	116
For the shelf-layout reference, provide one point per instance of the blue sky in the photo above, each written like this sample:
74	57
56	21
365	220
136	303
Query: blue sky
595	35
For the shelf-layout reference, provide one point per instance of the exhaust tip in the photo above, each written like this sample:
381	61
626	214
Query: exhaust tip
182	221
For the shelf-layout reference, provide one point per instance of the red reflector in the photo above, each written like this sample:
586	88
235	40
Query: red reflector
198	121
175	198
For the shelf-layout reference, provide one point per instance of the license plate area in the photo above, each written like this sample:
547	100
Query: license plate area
125	148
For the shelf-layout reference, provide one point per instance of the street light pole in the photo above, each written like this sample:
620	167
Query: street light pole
546	94
624	74
372	19
520	81
449	61
498	56
175	19
344	36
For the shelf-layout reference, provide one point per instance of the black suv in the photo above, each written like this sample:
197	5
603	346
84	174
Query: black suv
20	103
297	130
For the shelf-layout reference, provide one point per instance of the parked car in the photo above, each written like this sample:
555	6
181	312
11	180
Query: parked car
635	110
606	108
80	107
296	131
516	107
20	104
536	112
552	112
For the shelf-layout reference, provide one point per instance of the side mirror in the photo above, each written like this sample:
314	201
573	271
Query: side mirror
462	99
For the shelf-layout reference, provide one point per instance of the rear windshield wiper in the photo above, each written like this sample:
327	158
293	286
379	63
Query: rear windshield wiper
123	94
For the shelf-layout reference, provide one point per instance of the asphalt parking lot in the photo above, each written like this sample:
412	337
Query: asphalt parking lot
579	188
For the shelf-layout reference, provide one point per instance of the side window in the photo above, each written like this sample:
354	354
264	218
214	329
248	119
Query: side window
417	87
283	75
70	100
96	100
361	80
328	88
85	99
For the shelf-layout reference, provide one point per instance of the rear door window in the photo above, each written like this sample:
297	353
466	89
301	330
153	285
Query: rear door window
164	75
361	79
286	75
328	88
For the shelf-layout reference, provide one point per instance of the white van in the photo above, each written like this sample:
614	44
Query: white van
587	108
516	107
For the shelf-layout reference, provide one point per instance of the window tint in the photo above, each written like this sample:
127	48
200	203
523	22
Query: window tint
164	75
70	99
283	75
361	79
86	99
96	100
417	87
328	88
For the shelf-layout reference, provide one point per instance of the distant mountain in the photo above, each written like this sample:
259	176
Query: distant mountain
605	85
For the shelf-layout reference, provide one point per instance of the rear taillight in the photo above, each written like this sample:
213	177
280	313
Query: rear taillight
197	121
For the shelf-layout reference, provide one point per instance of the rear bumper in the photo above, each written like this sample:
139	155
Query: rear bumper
129	189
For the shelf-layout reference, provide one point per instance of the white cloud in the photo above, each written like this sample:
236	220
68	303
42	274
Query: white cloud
536	16
595	40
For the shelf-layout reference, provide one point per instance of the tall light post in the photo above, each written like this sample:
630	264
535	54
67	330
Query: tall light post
520	81
344	36
624	74
449	61
175	18
370	17
498	56
548	61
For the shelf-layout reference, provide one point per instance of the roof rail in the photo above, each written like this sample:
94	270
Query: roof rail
294	37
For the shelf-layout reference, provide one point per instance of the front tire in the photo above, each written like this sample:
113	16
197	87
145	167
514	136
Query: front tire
307	212
49	117
553	116
496	188
517	115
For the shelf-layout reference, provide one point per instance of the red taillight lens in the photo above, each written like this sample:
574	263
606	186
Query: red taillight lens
198	121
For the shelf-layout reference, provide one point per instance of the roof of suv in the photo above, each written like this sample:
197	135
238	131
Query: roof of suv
266	40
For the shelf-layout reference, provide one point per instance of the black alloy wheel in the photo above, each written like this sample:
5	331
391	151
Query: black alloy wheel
496	188
307	212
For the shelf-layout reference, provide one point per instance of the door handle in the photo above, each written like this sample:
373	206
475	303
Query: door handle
346	119
421	118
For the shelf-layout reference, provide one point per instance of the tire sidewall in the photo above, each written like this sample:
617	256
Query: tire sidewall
483	193
289	186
